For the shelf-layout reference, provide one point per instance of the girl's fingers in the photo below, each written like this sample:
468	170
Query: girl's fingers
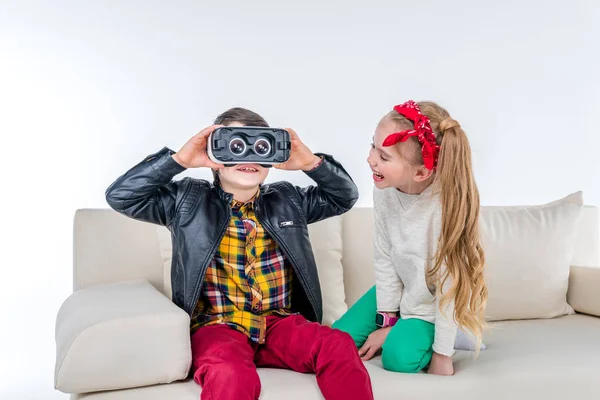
364	349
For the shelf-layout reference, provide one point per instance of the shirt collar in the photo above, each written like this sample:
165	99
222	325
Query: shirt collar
248	204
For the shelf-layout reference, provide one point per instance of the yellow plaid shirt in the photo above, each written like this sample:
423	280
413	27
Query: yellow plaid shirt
248	279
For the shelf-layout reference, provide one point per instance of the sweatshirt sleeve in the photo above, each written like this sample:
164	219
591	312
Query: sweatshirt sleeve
388	284
445	324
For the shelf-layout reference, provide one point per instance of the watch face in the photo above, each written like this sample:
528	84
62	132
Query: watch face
379	319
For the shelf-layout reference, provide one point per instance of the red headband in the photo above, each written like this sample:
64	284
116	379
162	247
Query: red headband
422	131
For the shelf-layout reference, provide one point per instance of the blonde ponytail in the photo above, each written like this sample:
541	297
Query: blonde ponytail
459	248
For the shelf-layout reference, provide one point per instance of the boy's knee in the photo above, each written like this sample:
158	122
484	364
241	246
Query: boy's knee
345	332
403	358
345	340
228	373
341	344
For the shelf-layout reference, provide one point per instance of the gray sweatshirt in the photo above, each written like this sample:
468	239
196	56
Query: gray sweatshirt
407	228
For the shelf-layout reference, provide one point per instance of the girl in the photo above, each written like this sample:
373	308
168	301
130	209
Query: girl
428	257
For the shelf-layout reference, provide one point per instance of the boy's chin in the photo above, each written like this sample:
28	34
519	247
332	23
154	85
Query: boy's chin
248	183
253	185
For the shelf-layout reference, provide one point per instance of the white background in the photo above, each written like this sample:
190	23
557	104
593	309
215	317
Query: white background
87	90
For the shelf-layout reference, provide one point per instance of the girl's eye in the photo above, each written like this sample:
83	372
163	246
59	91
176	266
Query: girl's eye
380	155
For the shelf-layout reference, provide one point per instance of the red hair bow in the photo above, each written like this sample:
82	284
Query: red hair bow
422	131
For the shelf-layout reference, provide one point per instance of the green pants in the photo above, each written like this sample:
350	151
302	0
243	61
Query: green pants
408	346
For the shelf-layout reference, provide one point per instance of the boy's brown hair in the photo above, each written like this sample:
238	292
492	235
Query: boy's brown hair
241	115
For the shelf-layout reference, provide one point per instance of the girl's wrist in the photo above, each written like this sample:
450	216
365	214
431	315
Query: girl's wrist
441	356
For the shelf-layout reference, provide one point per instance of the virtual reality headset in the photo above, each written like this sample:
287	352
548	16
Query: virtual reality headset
249	144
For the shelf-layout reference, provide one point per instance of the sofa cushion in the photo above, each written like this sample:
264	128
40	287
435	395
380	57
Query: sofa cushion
550	359
584	290
528	255
120	335
326	241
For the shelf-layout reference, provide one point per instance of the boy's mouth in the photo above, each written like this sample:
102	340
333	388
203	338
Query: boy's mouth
248	168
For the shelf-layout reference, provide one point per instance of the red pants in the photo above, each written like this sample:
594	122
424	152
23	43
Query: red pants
225	360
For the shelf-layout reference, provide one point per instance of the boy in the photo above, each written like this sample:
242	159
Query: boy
243	267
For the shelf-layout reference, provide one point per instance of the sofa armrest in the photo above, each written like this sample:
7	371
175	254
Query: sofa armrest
120	335
584	290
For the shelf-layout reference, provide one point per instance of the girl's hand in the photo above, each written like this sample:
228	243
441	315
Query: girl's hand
441	365
301	157
193	154
374	343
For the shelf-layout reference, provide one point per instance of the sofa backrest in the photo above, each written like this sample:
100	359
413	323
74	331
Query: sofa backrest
358	248
109	247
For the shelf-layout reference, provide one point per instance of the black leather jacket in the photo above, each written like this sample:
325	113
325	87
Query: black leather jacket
197	213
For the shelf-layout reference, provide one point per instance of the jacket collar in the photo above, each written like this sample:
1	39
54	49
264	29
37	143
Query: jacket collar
228	197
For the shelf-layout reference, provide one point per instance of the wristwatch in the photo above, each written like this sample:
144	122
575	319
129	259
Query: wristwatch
383	320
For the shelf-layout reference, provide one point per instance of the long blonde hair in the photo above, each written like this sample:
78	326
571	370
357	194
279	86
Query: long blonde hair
459	248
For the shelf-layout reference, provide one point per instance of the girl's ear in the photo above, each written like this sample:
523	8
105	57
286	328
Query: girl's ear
422	174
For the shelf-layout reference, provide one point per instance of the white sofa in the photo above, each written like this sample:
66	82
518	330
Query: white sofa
106	340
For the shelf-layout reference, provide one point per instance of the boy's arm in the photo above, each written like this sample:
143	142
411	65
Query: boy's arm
334	194
147	192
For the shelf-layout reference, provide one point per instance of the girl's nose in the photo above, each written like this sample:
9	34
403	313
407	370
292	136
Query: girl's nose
369	161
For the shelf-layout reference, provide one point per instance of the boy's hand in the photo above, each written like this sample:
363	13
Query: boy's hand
193	154
441	365
301	157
